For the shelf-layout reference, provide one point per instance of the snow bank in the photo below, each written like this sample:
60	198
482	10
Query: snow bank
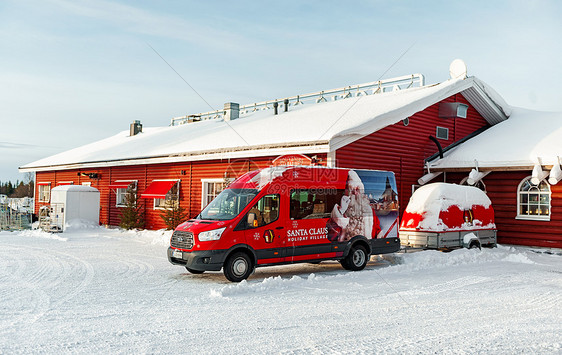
158	237
38	233
433	259
266	286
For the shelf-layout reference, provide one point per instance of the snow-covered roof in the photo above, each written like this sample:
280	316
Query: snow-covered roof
525	139
316	128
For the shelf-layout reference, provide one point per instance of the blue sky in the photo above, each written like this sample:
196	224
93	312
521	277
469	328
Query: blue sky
73	72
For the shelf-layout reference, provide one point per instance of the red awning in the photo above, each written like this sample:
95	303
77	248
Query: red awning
60	183
120	184
158	189
43	183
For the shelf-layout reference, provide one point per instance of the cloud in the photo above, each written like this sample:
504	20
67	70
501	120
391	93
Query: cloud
10	145
140	21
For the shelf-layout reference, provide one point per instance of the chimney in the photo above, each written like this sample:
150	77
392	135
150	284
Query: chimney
231	111
136	128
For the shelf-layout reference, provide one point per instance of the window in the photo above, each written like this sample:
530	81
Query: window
211	188
442	133
264	212
171	200
122	192
314	203
44	191
533	201
228	204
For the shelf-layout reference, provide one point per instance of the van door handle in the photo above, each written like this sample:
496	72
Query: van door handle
280	227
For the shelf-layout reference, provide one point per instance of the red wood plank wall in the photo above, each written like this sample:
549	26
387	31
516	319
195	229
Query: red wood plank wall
189	173
501	187
402	149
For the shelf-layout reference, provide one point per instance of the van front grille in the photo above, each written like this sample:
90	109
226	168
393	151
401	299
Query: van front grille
182	240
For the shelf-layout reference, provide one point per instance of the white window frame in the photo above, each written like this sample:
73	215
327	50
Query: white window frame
61	183
533	217
87	183
437	133
42	186
121	193
204	195
160	203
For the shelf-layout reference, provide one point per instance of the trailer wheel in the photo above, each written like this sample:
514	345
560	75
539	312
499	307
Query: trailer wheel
238	267
196	272
356	260
474	244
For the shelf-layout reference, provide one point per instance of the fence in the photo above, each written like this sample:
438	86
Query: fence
372	88
14	218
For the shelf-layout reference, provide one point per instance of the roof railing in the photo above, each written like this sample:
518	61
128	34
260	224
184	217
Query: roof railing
371	88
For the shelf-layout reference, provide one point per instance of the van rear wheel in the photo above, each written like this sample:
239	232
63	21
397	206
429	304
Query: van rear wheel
238	267
356	260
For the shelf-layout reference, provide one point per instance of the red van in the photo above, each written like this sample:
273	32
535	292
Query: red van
291	214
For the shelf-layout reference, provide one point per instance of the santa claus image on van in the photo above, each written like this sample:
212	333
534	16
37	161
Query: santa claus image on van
368	207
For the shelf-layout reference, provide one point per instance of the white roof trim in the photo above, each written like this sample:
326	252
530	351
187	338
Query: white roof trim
179	158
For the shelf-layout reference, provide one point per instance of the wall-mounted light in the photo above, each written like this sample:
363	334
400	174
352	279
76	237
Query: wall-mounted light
428	177
474	176
555	173
538	174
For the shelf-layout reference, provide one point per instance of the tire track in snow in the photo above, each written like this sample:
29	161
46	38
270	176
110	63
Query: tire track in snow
445	286
51	272
23	301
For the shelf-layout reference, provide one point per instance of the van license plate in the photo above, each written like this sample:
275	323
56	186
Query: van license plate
177	254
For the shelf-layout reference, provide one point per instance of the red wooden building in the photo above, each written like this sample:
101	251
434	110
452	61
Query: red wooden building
517	163
389	125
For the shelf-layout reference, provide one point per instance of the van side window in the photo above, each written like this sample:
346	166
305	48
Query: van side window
263	212
314	203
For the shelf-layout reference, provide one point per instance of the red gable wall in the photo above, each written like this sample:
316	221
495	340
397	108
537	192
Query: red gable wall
402	149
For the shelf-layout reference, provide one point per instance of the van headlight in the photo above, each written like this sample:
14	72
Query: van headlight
214	234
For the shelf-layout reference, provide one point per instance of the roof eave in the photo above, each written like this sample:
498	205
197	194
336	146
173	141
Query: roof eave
315	147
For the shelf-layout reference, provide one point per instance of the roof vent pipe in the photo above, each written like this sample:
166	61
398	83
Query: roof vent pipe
286	103
135	128
275	107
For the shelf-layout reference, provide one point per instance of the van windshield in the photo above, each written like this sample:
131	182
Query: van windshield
228	204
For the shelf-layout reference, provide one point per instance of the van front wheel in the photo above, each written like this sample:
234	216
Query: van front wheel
238	267
357	259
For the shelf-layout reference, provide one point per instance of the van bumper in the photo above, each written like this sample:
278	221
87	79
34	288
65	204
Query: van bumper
202	260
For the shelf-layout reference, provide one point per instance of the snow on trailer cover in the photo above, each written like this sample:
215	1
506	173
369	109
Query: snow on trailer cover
283	215
444	216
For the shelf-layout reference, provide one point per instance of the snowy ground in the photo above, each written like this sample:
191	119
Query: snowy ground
107	291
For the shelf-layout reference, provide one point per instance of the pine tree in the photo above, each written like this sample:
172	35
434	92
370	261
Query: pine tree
132	216
173	214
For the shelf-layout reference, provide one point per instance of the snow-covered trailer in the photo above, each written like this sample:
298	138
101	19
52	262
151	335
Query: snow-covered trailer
444	216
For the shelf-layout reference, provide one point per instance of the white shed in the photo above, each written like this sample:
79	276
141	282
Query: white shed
75	202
